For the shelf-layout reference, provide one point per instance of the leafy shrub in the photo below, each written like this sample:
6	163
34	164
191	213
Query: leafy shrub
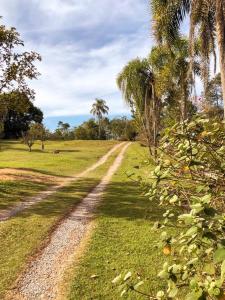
189	182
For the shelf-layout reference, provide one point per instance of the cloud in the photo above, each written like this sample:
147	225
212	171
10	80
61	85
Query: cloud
84	44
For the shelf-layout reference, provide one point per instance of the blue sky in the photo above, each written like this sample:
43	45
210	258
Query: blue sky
83	44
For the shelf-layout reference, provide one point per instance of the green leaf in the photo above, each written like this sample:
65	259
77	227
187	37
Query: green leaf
138	284
173	293
209	269
117	279
173	199
193	230
195	295
223	270
160	295
157	170
206	199
123	292
219	255
192	261
163	274
196	208
127	276
187	218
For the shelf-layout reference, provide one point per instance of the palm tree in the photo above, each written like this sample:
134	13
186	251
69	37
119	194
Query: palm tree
99	109
207	21
137	83
171	66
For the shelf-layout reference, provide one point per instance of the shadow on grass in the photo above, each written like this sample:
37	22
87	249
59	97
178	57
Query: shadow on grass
62	201
39	172
125	200
12	192
120	202
49	151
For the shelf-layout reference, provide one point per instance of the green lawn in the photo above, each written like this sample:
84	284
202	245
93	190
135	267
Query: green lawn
12	192
123	240
23	235
74	156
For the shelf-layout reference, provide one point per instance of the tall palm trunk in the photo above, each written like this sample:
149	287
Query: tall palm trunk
99	128
220	27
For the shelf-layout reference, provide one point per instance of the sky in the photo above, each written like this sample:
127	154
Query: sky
84	44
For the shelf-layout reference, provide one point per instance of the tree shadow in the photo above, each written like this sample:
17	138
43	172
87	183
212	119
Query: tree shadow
46	151
126	200
39	172
13	192
122	200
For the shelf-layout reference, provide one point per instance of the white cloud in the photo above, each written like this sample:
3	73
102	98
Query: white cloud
84	44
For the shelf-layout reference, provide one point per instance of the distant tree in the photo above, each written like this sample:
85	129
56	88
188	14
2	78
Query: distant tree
30	136
63	130
123	129
18	113
99	109
87	131
213	104
40	132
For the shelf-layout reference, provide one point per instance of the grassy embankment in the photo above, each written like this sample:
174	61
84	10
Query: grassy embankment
23	235
122	241
74	157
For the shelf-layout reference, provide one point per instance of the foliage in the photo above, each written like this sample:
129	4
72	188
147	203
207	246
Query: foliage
87	131
122	129
99	109
213	104
117	129
137	84
40	132
16	67
207	24
171	67
19	113
189	182
30	136
63	131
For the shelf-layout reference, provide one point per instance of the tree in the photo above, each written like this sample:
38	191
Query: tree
30	136
207	18
137	83
171	66
63	130
40	132
16	67
122	129
87	131
213	102
18	112
99	109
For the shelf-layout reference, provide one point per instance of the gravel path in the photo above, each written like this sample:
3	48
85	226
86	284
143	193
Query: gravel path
12	211
43	276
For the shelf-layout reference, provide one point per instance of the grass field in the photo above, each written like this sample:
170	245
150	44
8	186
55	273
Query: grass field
12	192
74	157
21	236
123	240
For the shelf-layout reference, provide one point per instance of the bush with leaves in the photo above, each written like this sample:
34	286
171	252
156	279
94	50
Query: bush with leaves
189	182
